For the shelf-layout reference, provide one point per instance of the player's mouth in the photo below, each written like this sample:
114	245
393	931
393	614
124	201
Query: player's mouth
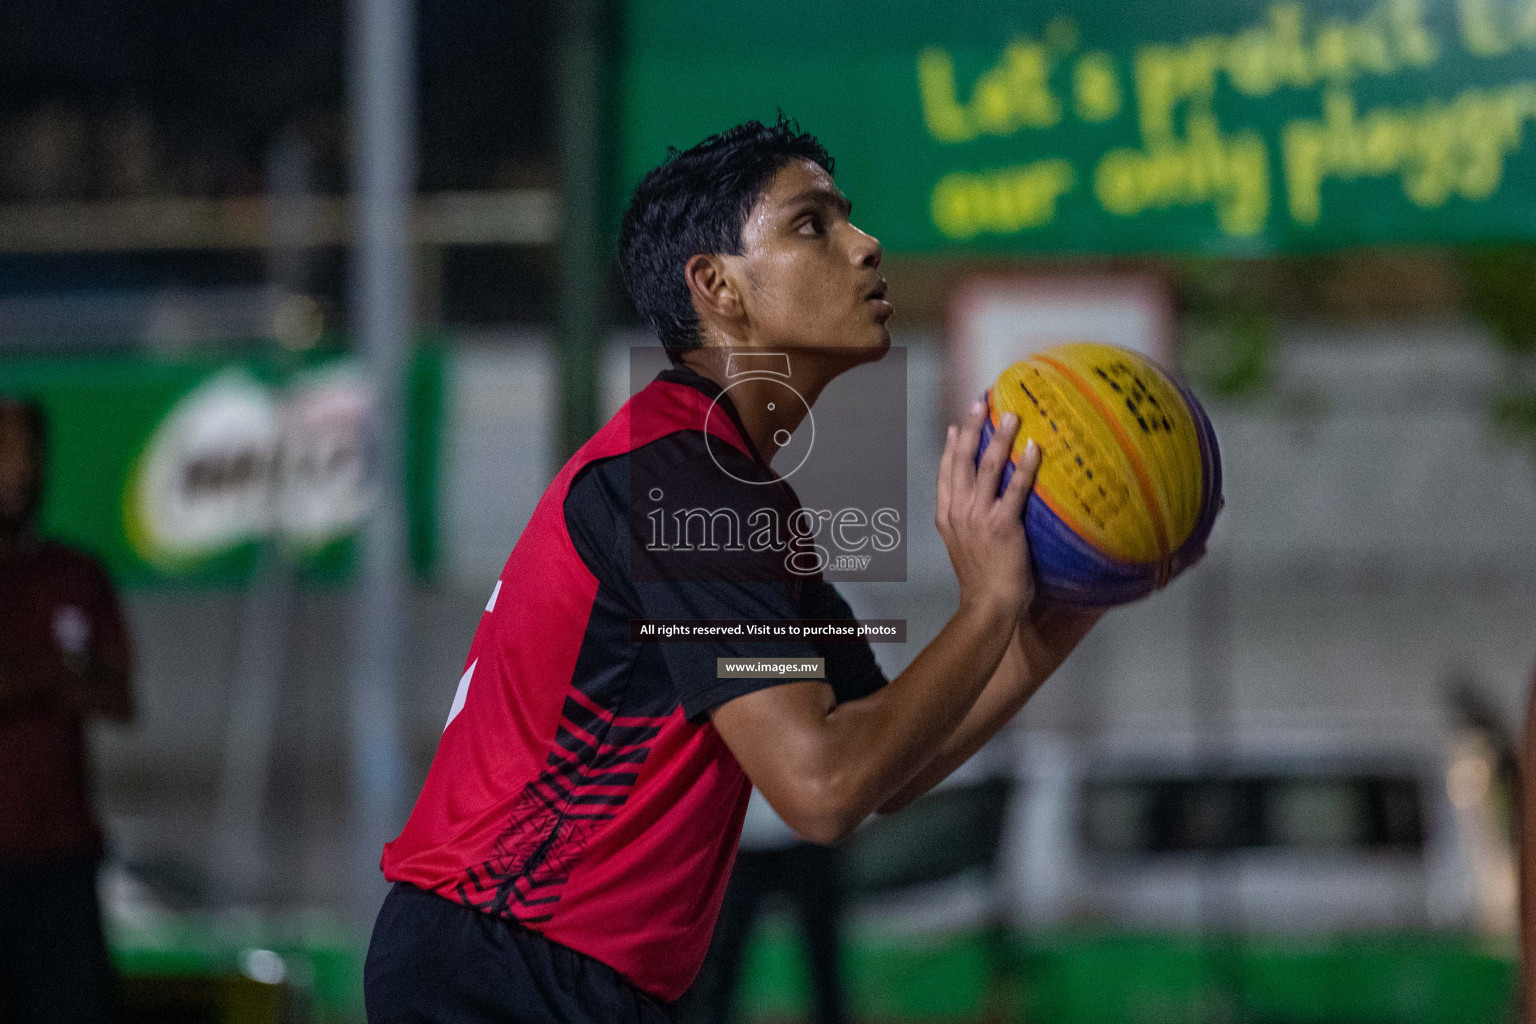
882	306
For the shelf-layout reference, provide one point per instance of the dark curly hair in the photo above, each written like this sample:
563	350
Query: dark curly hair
696	202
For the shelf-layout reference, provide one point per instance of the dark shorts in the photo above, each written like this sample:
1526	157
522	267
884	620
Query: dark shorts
433	960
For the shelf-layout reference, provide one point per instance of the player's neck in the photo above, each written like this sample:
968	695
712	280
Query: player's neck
757	387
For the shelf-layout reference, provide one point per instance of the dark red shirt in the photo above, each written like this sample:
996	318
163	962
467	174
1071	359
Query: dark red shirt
58	613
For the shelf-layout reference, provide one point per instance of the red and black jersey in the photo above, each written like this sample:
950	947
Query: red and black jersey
578	787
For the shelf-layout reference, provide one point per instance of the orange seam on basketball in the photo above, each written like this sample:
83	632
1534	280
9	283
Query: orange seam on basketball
1138	469
1072	524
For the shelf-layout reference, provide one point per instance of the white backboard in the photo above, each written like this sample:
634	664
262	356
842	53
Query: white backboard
996	321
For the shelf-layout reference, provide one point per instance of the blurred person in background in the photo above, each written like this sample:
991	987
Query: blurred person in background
772	861
1474	711
63	659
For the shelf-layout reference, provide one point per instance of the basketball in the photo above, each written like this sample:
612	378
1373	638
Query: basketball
1130	474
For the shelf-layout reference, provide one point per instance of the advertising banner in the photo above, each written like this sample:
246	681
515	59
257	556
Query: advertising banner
1223	127
173	471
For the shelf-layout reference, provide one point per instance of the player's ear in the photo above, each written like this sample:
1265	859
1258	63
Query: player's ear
713	288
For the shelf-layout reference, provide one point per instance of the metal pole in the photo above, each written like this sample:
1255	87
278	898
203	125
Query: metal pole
583	284
239	844
383	125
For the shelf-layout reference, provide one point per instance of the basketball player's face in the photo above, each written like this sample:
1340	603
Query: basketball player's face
810	277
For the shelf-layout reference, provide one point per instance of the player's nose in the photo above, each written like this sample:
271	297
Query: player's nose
866	250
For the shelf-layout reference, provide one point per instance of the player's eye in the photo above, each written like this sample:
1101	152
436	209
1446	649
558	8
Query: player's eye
810	226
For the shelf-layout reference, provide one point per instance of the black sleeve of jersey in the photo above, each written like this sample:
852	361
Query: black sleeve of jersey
692	664
750	587
851	667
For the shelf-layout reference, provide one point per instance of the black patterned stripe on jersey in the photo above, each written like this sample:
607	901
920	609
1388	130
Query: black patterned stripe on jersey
590	769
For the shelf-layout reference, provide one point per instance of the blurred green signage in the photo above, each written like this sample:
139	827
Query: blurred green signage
1226	126
174	471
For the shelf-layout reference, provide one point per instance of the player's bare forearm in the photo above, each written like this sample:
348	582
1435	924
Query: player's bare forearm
825	768
1037	648
894	733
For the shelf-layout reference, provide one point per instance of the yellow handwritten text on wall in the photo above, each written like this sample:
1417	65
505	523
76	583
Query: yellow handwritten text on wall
1282	51
1229	171
1491	30
1014	93
1096	87
1000	202
1439	149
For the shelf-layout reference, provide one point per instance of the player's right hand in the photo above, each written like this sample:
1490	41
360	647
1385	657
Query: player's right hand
984	530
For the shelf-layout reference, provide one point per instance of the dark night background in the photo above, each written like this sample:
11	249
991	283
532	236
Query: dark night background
103	100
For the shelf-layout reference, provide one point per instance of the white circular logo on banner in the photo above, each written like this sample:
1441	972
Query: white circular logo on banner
323	485
203	482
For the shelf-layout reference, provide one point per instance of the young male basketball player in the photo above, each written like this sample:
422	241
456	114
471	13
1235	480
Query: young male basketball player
569	851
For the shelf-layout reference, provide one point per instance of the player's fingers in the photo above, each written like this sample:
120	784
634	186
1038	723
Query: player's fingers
1024	470
941	513
990	471
962	468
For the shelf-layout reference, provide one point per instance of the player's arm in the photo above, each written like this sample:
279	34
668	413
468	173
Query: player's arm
824	766
1040	643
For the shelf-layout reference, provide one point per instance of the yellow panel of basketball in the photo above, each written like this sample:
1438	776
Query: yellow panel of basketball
1163	429
1132	398
1054	423
1103	487
1084	475
1163	455
1129	536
